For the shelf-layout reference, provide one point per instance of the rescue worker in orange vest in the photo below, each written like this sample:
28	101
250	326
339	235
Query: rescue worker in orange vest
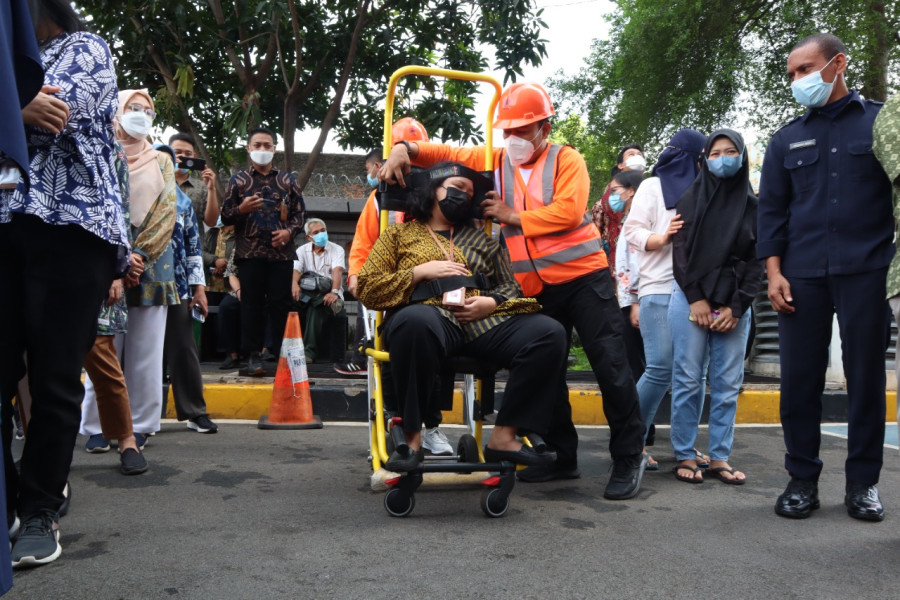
557	257
367	230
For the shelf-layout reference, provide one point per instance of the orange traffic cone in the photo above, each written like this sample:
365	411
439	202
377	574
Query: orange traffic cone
291	406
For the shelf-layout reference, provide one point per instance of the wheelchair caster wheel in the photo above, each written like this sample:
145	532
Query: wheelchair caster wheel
398	504
494	503
467	448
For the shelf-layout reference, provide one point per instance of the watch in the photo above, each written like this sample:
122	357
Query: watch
338	292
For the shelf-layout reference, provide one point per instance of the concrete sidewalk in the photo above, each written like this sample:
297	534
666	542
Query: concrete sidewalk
248	513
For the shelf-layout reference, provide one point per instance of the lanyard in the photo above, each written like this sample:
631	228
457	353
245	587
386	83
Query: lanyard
449	254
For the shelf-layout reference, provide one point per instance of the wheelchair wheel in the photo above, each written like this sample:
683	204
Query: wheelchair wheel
398	503
494	502
467	448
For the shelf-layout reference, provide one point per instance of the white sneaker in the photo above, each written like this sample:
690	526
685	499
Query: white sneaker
436	442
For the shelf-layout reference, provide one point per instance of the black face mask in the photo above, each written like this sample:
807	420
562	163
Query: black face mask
456	206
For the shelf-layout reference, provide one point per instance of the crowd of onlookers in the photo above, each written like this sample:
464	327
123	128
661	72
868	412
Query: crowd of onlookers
658	278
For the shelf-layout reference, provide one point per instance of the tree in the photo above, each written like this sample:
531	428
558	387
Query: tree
705	63
218	67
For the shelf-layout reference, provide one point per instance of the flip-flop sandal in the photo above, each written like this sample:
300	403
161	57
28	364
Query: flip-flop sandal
654	466
702	459
692	478
717	473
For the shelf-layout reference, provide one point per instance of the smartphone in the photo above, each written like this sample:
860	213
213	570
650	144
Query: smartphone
198	314
191	163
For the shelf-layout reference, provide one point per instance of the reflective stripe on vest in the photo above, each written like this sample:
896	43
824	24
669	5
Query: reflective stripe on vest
556	257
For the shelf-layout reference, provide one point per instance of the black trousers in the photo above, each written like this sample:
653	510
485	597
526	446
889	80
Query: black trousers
264	284
54	279
588	304
532	347
229	321
183	362
634	346
863	319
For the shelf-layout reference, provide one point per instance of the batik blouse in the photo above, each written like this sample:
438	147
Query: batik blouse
386	279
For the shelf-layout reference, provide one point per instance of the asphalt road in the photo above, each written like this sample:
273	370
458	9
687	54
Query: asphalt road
290	514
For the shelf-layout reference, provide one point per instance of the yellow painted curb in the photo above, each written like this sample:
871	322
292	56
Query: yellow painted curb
251	400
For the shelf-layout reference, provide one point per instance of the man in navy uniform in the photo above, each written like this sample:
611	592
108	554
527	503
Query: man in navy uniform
825	232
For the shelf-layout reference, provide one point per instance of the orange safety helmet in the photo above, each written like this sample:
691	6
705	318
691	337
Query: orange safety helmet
408	129
521	104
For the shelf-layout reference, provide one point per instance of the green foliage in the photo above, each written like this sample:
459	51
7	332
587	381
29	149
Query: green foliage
703	63
221	66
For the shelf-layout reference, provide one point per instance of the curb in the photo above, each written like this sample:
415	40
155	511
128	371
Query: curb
336	402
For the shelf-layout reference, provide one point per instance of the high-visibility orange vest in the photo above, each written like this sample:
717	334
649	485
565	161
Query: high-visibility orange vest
553	258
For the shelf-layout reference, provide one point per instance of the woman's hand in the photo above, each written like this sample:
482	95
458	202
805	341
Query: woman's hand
658	240
438	269
199	299
46	111
137	265
220	265
725	322
476	308
295	291
352	285
115	292
635	316
701	314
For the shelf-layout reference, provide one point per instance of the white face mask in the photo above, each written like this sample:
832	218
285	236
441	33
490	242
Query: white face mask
136	124
636	162
262	157
520	150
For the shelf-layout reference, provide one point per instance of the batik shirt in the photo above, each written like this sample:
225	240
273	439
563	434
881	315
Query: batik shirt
73	174
386	279
253	231
886	144
188	258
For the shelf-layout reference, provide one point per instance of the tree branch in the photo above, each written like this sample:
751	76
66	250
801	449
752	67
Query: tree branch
334	108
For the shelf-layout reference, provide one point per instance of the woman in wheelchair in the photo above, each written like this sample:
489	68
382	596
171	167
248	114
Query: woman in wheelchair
448	289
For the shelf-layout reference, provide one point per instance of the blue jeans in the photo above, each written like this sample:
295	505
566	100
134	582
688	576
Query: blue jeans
726	373
657	377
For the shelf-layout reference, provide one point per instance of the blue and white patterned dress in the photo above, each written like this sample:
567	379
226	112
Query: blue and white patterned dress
74	177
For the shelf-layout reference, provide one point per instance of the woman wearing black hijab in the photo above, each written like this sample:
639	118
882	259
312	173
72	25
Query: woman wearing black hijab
717	277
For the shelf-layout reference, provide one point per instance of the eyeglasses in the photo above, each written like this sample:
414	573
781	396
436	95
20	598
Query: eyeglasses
141	108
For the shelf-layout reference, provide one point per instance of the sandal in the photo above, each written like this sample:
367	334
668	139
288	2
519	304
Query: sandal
702	459
717	473
652	465
692	478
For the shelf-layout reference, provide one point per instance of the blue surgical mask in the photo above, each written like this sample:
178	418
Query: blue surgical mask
724	166
372	181
812	91
616	203
320	239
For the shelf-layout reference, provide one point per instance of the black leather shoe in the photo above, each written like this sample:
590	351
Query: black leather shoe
524	456
798	500
254	365
405	460
862	502
543	473
625	481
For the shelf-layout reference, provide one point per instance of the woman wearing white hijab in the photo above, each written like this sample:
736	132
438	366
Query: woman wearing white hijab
151	283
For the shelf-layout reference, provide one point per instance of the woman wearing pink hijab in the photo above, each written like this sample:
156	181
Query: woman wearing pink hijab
151	282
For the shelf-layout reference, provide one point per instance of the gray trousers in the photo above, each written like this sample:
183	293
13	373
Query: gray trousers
183	363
